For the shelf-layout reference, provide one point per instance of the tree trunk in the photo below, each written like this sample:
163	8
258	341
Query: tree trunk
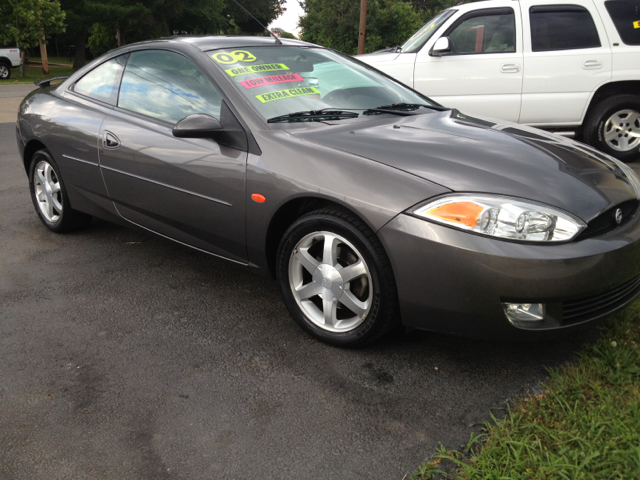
43	55
22	52
80	58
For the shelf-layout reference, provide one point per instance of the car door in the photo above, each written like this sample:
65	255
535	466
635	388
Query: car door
567	57
482	74
188	189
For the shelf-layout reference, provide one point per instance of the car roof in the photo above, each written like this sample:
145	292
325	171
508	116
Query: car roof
212	42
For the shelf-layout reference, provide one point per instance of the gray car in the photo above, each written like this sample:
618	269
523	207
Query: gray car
370	204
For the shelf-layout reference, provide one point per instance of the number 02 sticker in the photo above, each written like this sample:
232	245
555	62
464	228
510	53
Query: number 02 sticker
236	56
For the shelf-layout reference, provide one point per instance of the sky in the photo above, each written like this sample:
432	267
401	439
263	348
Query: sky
288	21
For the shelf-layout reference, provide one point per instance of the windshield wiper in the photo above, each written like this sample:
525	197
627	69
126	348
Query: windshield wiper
313	116
409	107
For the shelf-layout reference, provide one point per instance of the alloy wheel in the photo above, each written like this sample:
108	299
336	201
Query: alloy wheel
330	281
47	191
622	130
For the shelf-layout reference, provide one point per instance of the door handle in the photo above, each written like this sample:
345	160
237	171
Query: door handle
510	68
110	141
592	64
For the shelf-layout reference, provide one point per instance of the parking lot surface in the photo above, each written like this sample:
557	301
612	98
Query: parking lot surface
125	355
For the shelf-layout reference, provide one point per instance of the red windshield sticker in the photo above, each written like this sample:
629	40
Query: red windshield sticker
260	81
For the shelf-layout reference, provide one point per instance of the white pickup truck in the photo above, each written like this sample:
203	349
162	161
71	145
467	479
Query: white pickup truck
568	66
10	57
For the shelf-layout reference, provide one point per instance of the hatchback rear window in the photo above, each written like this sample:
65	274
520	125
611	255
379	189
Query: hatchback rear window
626	17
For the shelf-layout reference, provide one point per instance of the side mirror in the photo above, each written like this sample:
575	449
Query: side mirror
198	125
442	46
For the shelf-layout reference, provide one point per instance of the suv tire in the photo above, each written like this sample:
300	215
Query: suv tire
613	127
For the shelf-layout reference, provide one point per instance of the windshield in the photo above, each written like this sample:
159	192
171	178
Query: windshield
419	38
280	80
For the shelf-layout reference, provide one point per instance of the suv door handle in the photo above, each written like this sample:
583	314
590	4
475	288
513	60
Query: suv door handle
110	141
592	64
510	68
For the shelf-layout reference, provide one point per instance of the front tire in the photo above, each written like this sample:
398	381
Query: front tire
336	280
613	127
49	196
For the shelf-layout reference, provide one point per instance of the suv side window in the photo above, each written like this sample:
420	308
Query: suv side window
102	82
166	86
562	27
484	31
626	17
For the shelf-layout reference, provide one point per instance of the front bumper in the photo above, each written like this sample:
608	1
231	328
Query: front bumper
455	282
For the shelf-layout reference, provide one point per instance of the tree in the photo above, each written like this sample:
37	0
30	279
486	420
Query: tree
28	22
430	8
265	11
80	17
334	23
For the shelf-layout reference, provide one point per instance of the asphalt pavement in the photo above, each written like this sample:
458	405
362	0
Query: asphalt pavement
126	356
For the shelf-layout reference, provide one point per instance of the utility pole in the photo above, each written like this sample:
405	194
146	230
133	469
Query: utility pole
363	26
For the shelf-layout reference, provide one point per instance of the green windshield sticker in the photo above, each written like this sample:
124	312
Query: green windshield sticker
269	67
290	92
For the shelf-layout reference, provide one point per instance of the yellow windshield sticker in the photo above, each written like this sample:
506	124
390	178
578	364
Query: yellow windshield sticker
237	56
636	24
268	67
290	92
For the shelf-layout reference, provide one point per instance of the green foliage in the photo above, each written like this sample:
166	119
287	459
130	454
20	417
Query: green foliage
585	426
264	10
102	39
23	21
430	8
335	23
288	35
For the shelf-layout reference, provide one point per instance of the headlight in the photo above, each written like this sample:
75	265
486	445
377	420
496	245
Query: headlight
502	217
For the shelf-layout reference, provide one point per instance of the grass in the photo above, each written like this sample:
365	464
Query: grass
33	73
585	426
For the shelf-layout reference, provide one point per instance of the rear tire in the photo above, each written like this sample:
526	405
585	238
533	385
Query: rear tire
5	71
336	279
49	196
613	127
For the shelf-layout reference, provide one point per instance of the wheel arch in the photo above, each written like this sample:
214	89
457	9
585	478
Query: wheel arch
288	213
6	61
30	149
627	87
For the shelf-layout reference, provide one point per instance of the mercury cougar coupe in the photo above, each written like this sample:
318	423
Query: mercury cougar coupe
370	204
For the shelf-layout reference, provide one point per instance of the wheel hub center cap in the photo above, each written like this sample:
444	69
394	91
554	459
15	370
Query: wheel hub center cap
327	282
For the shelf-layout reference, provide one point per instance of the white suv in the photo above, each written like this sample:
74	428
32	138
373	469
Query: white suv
569	66
10	57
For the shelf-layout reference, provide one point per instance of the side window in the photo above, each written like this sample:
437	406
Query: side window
102	82
626	17
166	86
562	27
486	31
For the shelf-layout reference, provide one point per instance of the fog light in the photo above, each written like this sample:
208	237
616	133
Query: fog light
521	314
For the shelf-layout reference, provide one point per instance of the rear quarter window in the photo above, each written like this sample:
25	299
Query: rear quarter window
626	17
562	27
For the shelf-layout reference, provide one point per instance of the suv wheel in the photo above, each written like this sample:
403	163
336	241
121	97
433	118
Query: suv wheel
613	127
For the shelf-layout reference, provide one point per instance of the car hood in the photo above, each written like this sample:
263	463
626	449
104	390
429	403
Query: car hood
467	154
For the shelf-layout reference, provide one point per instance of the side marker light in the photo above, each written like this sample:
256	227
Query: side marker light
257	197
